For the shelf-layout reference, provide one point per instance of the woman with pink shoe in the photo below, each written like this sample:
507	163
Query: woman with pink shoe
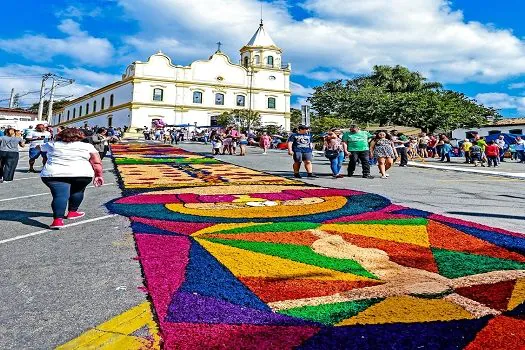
71	166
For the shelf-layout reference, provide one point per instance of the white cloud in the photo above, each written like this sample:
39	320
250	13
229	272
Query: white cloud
79	12
502	101
346	36
78	45
517	86
299	90
27	79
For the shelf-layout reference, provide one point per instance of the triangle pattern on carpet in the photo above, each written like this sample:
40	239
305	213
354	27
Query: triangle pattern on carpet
518	294
408	309
495	296
330	314
454	264
413	234
207	277
405	254
298	253
185	228
306	238
445	237
195	308
244	263
274	289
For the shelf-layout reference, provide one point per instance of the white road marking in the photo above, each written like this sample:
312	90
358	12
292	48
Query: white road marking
32	234
42	194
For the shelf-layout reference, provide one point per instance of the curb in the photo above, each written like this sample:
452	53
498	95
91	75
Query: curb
469	170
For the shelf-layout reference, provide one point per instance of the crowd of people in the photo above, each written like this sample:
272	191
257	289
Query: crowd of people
71	160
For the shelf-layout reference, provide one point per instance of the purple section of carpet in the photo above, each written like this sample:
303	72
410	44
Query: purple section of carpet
194	308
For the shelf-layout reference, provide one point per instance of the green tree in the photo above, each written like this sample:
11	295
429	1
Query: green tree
395	95
56	106
242	118
295	117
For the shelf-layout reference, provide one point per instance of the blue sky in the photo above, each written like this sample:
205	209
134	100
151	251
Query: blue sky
476	47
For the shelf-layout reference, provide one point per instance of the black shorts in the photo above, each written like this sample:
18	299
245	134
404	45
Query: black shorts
299	157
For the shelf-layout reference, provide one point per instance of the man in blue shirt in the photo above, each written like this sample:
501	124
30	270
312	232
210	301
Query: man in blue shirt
300	147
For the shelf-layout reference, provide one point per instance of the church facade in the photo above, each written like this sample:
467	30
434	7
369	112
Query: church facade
191	95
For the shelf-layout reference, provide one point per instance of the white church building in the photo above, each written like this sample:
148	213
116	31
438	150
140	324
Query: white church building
190	95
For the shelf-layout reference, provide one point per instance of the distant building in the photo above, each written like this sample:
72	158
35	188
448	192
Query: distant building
194	94
505	126
17	118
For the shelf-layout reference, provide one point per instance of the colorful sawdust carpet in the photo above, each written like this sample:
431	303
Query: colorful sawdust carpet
238	259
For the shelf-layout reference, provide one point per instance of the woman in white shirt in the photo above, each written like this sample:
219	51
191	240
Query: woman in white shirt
71	166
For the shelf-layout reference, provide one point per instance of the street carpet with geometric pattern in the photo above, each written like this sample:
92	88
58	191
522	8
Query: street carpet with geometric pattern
234	258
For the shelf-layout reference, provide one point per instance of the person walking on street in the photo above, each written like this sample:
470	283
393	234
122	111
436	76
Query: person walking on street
265	142
399	144
520	149
465	147
36	138
71	166
9	153
301	148
502	145
355	144
492	152
334	151
100	141
243	143
382	148
445	151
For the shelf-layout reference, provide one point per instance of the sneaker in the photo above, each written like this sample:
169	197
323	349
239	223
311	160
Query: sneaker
57	224
297	175
310	175
368	177
339	176
384	177
387	175
75	215
350	174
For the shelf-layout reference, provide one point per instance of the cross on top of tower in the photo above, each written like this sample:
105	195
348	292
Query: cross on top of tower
219	44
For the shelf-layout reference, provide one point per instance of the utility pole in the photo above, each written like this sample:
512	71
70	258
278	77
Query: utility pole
11	98
41	102
50	105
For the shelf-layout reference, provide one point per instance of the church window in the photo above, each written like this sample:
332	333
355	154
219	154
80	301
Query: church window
158	94
68	114
59	117
271	102
74	113
80	111
241	100
219	99
246	61
102	103
111	100
87	108
197	97
94	106
257	59
269	61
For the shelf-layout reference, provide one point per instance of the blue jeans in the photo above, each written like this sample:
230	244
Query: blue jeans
67	192
337	163
521	155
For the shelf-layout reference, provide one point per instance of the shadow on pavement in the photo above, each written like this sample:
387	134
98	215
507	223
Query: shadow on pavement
25	217
501	216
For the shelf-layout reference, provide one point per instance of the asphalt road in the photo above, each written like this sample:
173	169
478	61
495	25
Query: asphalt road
55	285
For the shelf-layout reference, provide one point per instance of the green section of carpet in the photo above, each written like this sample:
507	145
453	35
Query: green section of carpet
131	161
410	222
330	314
276	227
300	254
453	264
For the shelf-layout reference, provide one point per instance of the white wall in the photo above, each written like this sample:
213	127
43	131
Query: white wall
120	118
484	131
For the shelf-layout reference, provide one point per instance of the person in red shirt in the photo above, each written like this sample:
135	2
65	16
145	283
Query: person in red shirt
492	153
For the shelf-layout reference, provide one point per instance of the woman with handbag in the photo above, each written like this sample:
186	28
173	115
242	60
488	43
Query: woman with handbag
333	150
